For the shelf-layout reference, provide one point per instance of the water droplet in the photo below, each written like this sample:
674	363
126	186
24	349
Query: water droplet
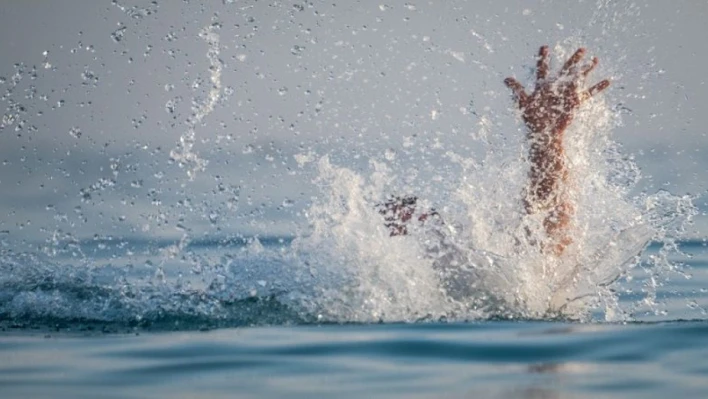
171	36
85	195
170	106
89	77
390	154
75	132
283	91
248	148
287	203
118	34
297	50
213	217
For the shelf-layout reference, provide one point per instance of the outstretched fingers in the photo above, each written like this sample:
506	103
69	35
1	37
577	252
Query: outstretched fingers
595	89
518	90
572	61
542	64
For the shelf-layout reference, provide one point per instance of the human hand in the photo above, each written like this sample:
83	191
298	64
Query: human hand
399	211
551	106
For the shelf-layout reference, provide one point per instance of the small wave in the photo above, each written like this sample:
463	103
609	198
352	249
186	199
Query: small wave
40	295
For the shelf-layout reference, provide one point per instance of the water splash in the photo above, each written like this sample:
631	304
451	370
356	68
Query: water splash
361	273
184	153
484	260
38	294
345	267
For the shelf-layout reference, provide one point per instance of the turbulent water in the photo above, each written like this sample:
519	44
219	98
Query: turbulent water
249	283
343	266
197	168
87	334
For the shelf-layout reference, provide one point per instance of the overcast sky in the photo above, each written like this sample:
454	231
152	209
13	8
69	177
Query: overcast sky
97	94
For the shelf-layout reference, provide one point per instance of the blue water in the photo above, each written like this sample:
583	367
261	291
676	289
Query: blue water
430	360
71	335
98	298
128	126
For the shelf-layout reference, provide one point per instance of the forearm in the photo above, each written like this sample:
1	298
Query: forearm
547	111
548	167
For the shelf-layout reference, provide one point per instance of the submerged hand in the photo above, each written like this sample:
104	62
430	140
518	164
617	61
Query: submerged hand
399	211
550	108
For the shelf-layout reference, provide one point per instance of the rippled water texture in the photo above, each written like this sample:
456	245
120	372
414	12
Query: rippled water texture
490	360
191	201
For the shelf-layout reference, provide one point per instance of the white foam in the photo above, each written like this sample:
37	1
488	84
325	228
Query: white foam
481	262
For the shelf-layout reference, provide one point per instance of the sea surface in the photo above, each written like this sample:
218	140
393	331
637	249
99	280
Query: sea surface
194	202
270	352
490	359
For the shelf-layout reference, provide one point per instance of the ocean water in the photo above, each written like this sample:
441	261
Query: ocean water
191	203
493	359
77	342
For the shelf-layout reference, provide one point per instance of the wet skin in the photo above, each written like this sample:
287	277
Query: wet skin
547	112
399	211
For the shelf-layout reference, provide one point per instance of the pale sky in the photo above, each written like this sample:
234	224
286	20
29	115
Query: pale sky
96	95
